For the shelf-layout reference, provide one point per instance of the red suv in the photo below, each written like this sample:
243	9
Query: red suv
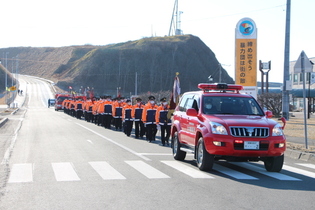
219	123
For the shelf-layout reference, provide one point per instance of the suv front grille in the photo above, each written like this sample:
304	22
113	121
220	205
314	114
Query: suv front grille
249	132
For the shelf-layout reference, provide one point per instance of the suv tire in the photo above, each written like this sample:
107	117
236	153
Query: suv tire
177	153
204	159
274	164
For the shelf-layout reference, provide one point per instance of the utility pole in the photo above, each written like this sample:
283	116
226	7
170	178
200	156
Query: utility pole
17	69
286	73
12	64
6	77
136	84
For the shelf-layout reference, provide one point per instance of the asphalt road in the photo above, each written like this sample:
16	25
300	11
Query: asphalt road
50	160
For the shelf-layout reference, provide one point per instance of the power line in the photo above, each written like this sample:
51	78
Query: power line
221	16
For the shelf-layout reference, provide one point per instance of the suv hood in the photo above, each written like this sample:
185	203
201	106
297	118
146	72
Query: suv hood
244	120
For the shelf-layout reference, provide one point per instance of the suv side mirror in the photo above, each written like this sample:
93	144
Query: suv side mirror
191	112
268	114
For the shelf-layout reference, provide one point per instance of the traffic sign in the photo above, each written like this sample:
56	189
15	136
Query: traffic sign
303	63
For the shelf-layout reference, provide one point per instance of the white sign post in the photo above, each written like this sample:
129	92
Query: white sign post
303	65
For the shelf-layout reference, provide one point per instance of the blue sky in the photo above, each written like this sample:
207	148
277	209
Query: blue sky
41	23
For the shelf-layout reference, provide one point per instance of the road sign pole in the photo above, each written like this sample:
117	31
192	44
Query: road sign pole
286	70
304	96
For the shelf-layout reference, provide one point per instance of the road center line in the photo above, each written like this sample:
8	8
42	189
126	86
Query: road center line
112	141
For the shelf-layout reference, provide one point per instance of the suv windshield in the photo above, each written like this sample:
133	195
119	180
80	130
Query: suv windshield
231	105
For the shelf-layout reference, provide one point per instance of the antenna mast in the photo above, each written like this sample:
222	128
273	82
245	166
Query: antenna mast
177	25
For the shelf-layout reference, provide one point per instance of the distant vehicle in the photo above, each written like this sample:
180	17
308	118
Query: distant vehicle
59	98
51	102
219	123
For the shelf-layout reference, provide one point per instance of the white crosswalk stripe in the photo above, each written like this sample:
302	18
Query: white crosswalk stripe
299	171
308	165
261	170
232	173
65	172
106	171
194	173
147	170
21	173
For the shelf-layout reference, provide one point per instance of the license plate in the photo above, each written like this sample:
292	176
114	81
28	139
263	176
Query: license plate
251	145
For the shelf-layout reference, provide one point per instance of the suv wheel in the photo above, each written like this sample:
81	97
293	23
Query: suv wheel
274	164
204	159
177	153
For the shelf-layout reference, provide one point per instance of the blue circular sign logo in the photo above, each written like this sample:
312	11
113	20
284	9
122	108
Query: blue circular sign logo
246	27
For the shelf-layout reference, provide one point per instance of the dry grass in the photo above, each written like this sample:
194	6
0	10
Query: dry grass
295	128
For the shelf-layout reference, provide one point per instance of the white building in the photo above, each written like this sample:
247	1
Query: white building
296	96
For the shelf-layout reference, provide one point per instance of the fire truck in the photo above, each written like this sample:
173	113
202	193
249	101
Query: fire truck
59	98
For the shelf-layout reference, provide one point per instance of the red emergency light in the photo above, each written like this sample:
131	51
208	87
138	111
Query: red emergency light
219	86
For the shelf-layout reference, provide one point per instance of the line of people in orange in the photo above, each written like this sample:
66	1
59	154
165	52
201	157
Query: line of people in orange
146	119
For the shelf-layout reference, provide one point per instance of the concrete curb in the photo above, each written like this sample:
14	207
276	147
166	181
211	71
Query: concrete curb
3	121
298	155
17	109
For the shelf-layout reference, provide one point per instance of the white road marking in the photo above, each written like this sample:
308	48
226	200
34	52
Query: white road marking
90	141
161	154
233	173
65	172
194	173
114	142
106	171
21	173
147	170
299	171
308	165
263	171
157	154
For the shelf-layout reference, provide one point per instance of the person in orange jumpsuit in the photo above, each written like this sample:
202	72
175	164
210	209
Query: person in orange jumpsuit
148	118
100	111
87	109
94	111
72	105
117	113
163	122
64	105
78	108
108	110
137	110
127	117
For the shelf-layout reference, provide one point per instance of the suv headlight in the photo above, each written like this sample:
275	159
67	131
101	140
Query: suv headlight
277	131
217	128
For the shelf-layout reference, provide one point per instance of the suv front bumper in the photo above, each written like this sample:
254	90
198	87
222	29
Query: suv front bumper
232	146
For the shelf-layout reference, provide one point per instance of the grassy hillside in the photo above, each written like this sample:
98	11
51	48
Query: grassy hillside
4	74
153	61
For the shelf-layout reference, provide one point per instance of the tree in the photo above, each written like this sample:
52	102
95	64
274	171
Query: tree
272	102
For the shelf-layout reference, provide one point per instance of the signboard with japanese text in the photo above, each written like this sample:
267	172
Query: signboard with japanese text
246	53
246	62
